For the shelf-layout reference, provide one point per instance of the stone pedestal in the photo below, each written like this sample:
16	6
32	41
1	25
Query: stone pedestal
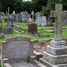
55	56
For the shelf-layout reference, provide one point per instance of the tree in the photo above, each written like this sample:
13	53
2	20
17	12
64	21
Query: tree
1	6
64	2
45	11
37	4
9	3
51	4
27	6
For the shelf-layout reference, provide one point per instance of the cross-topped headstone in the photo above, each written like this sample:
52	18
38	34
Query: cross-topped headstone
55	54
8	10
58	25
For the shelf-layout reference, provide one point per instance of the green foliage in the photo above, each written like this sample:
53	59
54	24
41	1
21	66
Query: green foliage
9	3
64	2
51	4
37	4
1	6
0	65
27	6
45	11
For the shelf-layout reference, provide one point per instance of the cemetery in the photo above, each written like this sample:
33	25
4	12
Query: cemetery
33	38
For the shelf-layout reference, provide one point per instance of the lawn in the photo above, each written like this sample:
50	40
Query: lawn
0	65
41	30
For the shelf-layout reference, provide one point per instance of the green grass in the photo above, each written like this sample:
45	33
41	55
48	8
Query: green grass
0	65
4	24
33	37
2	39
41	31
22	25
64	34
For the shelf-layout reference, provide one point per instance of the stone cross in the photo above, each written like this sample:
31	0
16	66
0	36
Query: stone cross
58	25
8	10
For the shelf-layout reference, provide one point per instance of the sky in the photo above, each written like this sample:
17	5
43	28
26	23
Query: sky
26	0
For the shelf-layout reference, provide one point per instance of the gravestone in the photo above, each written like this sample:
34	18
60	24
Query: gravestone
8	10
23	17
56	53
43	21
13	16
0	24
64	17
32	15
38	19
32	28
17	49
0	17
30	20
9	26
17	17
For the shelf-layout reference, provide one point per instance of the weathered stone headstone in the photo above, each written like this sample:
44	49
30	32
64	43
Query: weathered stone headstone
56	53
43	21
24	17
32	28
30	20
8	10
13	16
17	49
9	26
59	15
0	24
63	17
32	15
0	18
38	19
17	15
58	25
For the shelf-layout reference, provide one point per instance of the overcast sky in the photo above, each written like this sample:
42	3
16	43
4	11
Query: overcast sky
26	0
